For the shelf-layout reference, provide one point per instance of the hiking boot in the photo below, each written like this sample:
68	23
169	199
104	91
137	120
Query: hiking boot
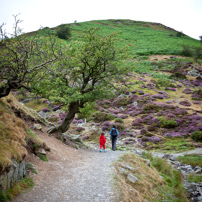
100	150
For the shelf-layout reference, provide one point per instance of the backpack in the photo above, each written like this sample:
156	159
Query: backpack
114	132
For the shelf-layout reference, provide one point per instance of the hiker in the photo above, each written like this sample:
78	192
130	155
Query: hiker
102	142
114	135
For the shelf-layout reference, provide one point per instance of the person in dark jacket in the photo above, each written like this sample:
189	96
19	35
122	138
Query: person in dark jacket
114	135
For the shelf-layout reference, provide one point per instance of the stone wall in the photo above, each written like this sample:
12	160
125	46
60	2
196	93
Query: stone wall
16	172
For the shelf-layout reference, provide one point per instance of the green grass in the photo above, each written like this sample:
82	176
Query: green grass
194	178
191	159
37	105
157	183
143	38
174	145
18	188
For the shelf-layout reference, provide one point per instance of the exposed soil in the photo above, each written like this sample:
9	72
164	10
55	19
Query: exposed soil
71	174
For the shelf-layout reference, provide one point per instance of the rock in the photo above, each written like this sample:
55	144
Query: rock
138	152
45	115
132	178
176	163
37	126
166	156
148	162
198	170
30	166
40	151
193	73
71	137
128	167
135	104
173	158
122	170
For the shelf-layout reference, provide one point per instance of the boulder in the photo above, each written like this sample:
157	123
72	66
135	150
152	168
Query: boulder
193	73
127	167
37	126
132	178
45	115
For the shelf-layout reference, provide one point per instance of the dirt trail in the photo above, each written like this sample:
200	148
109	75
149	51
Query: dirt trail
71	175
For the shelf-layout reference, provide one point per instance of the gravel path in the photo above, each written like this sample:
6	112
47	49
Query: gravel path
71	175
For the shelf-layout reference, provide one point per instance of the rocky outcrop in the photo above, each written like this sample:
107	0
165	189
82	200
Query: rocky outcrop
72	140
16	172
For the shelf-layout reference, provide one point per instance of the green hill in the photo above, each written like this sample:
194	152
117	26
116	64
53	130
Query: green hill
143	38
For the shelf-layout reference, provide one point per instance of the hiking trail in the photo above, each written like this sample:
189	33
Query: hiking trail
71	174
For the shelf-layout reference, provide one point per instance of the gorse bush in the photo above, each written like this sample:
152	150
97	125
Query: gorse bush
63	32
197	136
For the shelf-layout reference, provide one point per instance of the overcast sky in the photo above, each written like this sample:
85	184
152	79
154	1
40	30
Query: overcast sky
182	15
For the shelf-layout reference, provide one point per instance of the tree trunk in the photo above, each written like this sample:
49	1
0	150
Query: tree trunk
4	91
64	126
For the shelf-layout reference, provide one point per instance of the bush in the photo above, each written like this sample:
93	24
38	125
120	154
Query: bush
102	116
186	50
63	32
164	83
167	123
120	120
179	34
197	136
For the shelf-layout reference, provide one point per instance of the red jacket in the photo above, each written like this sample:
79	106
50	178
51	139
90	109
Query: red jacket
102	140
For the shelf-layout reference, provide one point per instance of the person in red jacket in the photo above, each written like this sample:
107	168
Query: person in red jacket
102	142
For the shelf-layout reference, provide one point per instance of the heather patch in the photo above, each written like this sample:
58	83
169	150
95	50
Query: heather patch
158	96
185	103
46	110
197	102
141	92
79	129
187	91
197	95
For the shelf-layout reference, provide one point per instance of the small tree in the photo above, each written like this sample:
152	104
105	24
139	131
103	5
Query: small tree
63	32
85	75
23	58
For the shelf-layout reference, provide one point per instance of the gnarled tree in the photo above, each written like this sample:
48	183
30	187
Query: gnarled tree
23	57
92	64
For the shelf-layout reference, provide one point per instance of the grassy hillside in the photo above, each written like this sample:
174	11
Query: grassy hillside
143	38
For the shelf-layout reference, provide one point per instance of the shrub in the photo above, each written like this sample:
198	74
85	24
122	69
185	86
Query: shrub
164	83
167	123
120	120
186	50
123	101
179	34
63	32
178	75
197	136
102	116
